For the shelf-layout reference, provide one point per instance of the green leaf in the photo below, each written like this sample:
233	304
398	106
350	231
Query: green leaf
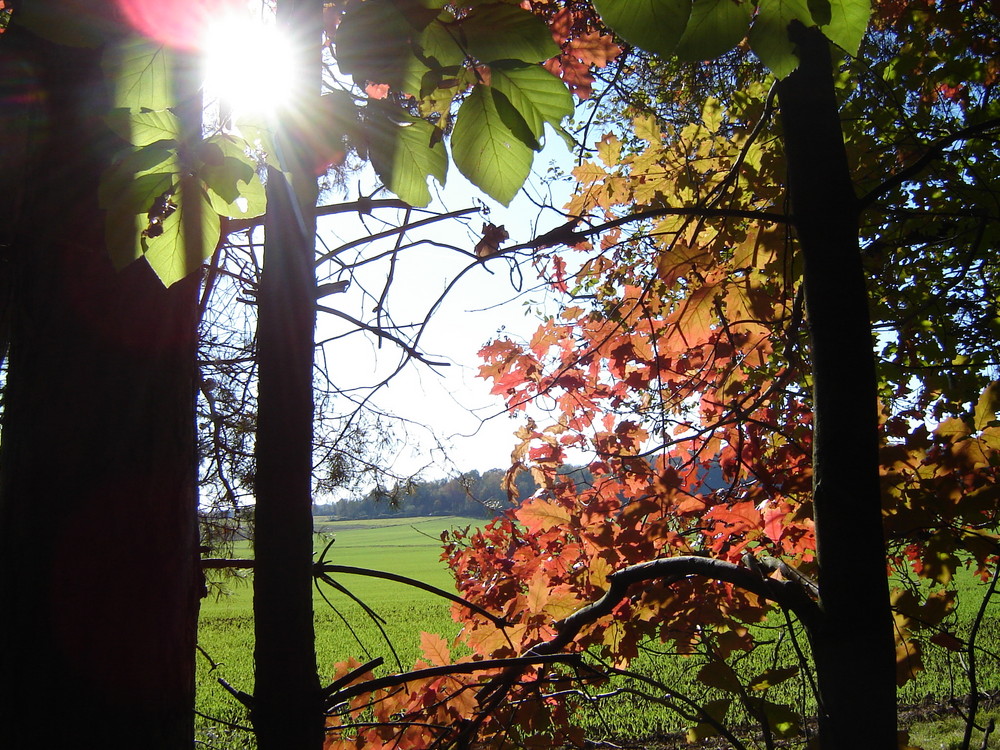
848	23
374	43
499	31
225	166
537	95
719	675
259	137
251	200
168	255
715	27
139	74
405	153
783	721
146	127
717	710
439	45
655	25
988	406
769	33
772	677
486	150
141	175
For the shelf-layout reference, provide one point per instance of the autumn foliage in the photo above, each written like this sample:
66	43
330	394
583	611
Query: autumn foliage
675	378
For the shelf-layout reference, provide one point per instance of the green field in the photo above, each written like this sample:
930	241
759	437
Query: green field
406	546
411	547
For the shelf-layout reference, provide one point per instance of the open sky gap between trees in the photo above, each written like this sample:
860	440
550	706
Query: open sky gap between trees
777	264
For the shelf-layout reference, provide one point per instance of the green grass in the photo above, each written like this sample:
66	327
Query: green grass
405	546
411	547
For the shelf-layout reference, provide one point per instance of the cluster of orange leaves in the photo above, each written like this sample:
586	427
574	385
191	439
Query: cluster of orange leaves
677	368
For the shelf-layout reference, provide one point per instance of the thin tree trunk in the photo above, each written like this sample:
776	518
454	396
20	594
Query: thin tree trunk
853	642
99	580
287	712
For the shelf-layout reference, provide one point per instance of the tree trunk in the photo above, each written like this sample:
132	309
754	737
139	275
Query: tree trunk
99	576
287	712
853	642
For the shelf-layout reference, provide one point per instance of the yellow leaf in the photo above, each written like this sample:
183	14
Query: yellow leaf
609	149
989	404
647	128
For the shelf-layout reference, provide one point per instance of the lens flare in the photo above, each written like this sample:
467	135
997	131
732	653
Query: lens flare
249	64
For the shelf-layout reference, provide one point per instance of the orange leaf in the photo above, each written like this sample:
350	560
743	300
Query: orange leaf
538	592
435	649
540	515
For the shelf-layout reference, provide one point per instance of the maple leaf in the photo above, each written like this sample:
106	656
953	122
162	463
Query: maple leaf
540	515
435	649
595	49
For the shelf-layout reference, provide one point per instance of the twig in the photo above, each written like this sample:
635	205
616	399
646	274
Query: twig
970	720
351	570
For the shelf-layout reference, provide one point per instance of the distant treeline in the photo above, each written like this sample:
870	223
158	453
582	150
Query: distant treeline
471	494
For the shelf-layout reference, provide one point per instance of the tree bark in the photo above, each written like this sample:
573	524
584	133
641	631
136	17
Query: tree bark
287	710
99	578
852	641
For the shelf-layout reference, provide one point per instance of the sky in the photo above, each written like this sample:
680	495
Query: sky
468	428
446	421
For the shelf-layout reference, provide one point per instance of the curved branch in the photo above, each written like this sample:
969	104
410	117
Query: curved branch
355	571
361	206
783	593
568	235
517	663
934	151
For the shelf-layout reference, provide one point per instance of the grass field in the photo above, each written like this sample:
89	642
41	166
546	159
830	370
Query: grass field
406	546
411	547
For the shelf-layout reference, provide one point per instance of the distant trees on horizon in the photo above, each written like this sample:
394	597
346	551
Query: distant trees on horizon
474	494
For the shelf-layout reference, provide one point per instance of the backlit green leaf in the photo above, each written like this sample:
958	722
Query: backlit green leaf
405	154
499	31
251	200
535	93
374	43
769	33
139	75
224	166
486	150
848	23
168	254
715	27
655	25
145	127
439	45
142	174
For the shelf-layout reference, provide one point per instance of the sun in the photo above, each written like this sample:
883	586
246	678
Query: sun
249	66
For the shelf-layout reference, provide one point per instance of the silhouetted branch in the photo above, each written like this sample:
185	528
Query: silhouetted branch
934	151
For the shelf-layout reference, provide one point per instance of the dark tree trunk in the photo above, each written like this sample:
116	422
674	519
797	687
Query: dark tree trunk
99	577
287	712
852	642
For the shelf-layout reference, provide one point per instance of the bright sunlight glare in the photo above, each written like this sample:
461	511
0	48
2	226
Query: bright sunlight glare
249	65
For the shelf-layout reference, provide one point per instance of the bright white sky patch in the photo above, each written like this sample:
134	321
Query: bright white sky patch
249	65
